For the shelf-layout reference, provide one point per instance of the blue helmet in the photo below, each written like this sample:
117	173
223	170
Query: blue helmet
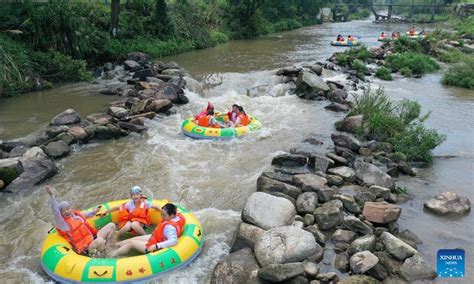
136	190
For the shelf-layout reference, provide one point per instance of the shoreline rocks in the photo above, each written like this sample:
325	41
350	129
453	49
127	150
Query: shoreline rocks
448	203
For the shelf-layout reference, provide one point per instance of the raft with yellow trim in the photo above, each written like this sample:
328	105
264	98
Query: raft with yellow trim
345	43
191	129
59	260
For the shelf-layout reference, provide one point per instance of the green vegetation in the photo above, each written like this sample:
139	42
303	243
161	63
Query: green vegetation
464	26
461	74
398	123
416	62
349	55
384	74
405	71
360	14
359	66
453	56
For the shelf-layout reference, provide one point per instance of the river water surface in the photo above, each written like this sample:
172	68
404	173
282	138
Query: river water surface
214	178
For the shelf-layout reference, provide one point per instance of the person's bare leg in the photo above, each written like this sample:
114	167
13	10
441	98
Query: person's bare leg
127	227
96	244
138	245
138	228
138	238
106	232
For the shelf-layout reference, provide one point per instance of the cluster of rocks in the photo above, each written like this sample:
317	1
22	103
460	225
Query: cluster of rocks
307	83
151	89
314	206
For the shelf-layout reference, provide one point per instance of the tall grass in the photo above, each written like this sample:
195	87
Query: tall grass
416	62
460	74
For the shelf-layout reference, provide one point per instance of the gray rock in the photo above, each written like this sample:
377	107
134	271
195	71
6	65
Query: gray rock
237	267
329	215
349	203
284	245
334	180
306	202
318	255
54	131
246	236
289	160
68	116
78	133
269	185
449	203
337	96
308	219
336	107
394	280
410	236
346	153
338	160
341	262
35	170
372	175
397	247
159	105
193	85
327	277
318	235
346	173
308	83
350	124
378	271
356	225
363	197
298	224
416	268
286	178
311	269
326	194
309	182
392	265
361	244
131	64
344	236
281	272
379	191
57	149
345	141
118	112
363	261
267	211
288	71
306	149
66	138
359	279
319	163
18	151
297	280
316	68
34	152
105	132
132	127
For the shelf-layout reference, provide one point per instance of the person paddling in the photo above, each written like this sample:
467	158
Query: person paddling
74	227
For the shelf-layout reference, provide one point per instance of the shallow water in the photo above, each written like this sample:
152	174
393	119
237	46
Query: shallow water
214	178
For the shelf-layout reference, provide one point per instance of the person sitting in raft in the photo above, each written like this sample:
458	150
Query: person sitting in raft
339	38
74	227
165	235
350	38
382	35
233	113
242	118
412	31
134	214
209	120
204	112
394	35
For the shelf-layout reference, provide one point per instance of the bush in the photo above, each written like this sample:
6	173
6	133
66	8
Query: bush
453	56
461	75
359	66
384	74
418	63
343	59
349	55
405	44
398	123
285	25
57	67
405	71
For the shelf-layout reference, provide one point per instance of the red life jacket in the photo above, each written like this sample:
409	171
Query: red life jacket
244	119
158	234
81	233
140	214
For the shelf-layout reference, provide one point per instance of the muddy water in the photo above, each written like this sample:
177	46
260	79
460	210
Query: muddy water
214	179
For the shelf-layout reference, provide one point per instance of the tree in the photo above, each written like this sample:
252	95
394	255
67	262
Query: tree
162	20
114	17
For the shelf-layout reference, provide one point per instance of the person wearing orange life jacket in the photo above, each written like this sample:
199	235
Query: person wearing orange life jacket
242	118
204	112
74	227
165	235
133	214
210	121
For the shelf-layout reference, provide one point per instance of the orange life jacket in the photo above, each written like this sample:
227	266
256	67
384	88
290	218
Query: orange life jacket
81	233
244	119
140	214
204	120
158	234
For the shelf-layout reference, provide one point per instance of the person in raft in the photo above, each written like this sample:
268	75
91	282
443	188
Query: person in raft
133	214
209	120
242	118
350	38
233	113
340	38
204	112
165	235
74	227
412	31
382	35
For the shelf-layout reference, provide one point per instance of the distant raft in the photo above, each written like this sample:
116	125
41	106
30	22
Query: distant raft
64	265
191	129
416	35
386	39
345	43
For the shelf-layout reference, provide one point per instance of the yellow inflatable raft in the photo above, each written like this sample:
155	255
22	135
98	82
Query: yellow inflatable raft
191	129
60	261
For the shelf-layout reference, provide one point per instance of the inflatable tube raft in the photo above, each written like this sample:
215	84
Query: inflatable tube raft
191	129
345	43
60	261
416	36
385	39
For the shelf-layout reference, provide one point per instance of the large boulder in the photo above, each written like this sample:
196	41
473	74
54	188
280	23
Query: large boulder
347	174
329	215
363	261
309	182
397	247
284	245
118	112
349	202
281	272
68	116
448	203
416	268
270	185
381	212
319	163
267	211
346	141
246	236
289	160
356	225
57	149
131	65
35	170
350	124
106	132
306	202
310	83
78	133
159	105
34	152
237	267
365	243
288	71
370	174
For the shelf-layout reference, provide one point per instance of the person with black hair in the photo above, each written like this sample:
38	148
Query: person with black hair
165	234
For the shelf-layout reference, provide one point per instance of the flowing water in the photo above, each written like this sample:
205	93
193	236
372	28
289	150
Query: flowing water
214	178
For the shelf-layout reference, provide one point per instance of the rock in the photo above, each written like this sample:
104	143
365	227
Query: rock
2	184
305	149
78	133
309	182
306	202
298	224
329	215
286	178
344	236
118	112
131	65
270	185
334	180
403	167
308	219
341	262
237	267
349	203
138	121
318	235
327	277
310	83
54	131
346	153
106	132
338	160
193	85
292	170
409	235
34	152
289	160
267	211
346	173
416	268
281	272
316	68
378	271
380	192
18	151
132	127
35	170
99	118
319	163
160	105
66	138
350	124
394	280
365	151
68	116
318	255
363	197
345	141
356	225
372	175
448	203
143	74
363	261
57	149
337	96
284	245
108	75
366	243
381	212
311	269
289	71
173	72
336	107
397	247
359	279
148	115
246	236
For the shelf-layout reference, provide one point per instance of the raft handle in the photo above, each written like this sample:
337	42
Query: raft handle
66	248
50	230
100	275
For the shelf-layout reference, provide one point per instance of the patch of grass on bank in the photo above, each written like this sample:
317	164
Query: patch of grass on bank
453	56
349	55
399	123
416	62
405	44
464	26
384	74
460	74
426	18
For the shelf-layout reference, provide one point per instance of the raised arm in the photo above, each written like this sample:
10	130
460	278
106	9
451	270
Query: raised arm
59	220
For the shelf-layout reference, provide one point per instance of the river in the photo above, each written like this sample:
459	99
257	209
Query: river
214	178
